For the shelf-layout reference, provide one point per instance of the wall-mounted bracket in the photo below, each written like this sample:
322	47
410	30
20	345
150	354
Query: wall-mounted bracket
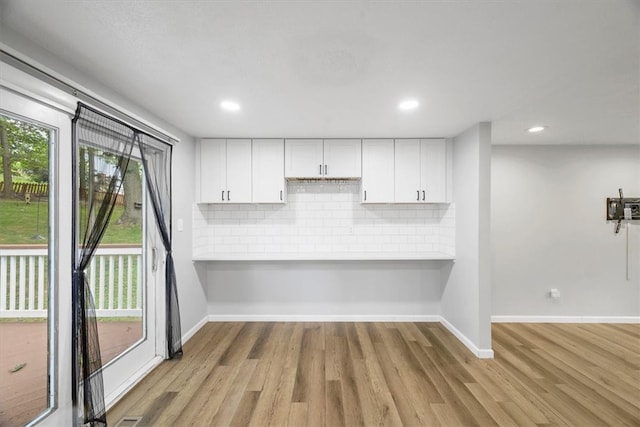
622	208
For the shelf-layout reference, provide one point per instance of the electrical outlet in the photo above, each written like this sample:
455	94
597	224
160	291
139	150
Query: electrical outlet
554	293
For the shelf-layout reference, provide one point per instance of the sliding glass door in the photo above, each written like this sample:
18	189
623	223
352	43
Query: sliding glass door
124	271
126	275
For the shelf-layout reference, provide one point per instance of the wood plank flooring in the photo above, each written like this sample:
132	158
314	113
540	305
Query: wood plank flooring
365	374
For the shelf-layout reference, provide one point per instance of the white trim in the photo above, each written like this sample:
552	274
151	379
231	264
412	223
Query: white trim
125	387
565	319
481	353
191	332
326	256
321	318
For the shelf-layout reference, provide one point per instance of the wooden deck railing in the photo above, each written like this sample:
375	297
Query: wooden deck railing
115	277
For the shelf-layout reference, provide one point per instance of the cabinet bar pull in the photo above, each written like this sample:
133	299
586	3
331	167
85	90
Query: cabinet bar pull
418	199
423	193
365	195
280	195
320	169
228	196
223	195
325	169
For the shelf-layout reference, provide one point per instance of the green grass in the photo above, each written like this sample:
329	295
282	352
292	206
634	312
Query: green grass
18	224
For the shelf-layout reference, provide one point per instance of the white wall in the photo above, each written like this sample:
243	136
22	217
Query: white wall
466	298
549	231
328	290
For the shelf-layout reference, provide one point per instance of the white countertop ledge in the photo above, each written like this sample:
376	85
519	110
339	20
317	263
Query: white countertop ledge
330	256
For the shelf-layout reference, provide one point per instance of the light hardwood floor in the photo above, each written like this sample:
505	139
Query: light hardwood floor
333	374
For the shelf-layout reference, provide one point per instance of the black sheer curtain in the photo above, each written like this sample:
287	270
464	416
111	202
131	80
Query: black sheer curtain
92	211
156	163
97	195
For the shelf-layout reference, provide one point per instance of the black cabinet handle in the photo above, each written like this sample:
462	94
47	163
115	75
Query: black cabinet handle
280	195
423	193
223	195
228	196
325	169
320	169
418	199
365	195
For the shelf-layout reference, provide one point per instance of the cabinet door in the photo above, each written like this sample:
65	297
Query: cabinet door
268	171
407	171
377	171
238	171
342	158
303	158
213	170
433	153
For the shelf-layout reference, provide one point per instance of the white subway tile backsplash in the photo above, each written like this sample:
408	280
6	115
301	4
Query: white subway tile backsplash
323	217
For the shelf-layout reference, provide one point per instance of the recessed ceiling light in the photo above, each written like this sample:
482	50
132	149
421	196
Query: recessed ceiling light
535	129
230	106
408	104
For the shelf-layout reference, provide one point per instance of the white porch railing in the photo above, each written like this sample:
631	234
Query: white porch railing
114	275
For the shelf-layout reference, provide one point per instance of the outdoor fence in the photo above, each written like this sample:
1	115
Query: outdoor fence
114	275
41	189
32	188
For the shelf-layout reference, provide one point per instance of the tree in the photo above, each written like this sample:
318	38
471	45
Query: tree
132	187
6	160
25	152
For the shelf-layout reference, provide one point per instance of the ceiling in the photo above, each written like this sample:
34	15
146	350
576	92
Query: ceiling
339	68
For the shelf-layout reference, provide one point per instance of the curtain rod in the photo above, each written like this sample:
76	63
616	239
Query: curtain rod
56	82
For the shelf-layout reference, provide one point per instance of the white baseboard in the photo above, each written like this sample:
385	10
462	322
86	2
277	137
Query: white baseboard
118	393
320	318
565	319
191	332
481	353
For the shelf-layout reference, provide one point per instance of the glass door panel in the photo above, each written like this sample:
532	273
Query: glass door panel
116	274
26	299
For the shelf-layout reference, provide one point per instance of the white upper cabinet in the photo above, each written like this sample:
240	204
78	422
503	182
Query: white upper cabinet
407	171
329	158
255	171
420	171
213	170
433	174
377	171
269	185
225	171
342	158
303	158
